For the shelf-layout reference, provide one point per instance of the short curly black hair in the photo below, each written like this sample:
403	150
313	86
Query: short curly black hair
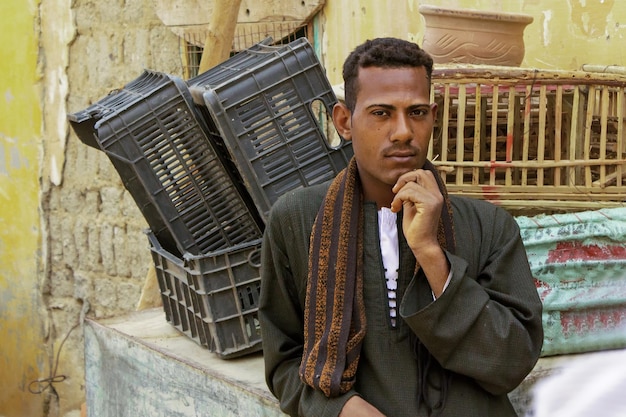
381	52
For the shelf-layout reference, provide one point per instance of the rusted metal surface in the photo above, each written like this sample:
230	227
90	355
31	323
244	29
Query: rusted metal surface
579	263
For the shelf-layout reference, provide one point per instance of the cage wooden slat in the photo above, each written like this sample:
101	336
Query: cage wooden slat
563	163
526	132
541	142
460	133
446	121
489	75
558	120
431	145
556	202
511	119
621	146
573	136
478	135
604	115
520	193
591	102
494	132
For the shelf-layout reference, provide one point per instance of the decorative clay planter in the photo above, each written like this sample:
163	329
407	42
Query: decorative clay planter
474	36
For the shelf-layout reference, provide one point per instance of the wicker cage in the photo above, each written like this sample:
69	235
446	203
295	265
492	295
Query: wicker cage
530	139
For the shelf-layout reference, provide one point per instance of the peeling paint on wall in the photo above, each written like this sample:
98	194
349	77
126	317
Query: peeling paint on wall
3	164
547	18
56	18
8	96
10	156
592	18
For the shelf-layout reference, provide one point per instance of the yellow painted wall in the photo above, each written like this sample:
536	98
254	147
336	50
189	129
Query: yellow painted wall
565	34
348	23
22	356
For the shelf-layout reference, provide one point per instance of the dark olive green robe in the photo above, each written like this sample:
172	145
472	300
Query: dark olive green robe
484	333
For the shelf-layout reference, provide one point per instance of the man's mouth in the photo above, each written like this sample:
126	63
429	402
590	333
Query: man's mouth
400	152
401	155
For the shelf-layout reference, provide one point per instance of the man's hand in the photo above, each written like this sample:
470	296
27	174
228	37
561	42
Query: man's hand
418	195
358	407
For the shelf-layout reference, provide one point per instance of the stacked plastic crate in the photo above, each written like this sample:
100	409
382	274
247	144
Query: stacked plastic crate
204	161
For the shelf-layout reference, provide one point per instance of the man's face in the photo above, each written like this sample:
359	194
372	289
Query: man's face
391	124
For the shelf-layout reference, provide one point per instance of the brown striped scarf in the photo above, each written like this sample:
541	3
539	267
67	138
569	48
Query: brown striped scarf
334	313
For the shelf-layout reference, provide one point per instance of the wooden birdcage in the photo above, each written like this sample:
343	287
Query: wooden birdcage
531	139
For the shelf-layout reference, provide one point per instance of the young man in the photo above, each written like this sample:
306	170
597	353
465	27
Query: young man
381	295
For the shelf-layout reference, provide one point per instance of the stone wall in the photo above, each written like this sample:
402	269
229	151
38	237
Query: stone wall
97	253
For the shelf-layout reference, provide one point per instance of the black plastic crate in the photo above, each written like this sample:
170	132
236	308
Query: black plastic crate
191	196
180	302
213	298
269	103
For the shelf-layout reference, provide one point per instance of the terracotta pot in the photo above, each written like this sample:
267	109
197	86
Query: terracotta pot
474	36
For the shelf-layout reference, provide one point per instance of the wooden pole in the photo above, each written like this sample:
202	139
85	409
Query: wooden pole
219	40
217	47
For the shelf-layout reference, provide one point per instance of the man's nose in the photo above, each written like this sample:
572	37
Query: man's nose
402	129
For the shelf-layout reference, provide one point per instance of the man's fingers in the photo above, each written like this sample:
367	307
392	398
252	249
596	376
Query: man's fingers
416	187
411	192
419	176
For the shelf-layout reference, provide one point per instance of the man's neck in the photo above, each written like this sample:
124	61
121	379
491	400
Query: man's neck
381	196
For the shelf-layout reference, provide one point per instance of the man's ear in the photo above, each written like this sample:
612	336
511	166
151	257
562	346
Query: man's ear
342	120
433	110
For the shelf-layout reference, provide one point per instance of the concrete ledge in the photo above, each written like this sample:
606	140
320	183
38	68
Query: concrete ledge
140	365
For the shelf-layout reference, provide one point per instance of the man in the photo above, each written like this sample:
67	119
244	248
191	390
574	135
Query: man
380	294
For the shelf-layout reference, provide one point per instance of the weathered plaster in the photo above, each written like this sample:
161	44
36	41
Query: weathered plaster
591	19
96	255
57	22
547	36
564	35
